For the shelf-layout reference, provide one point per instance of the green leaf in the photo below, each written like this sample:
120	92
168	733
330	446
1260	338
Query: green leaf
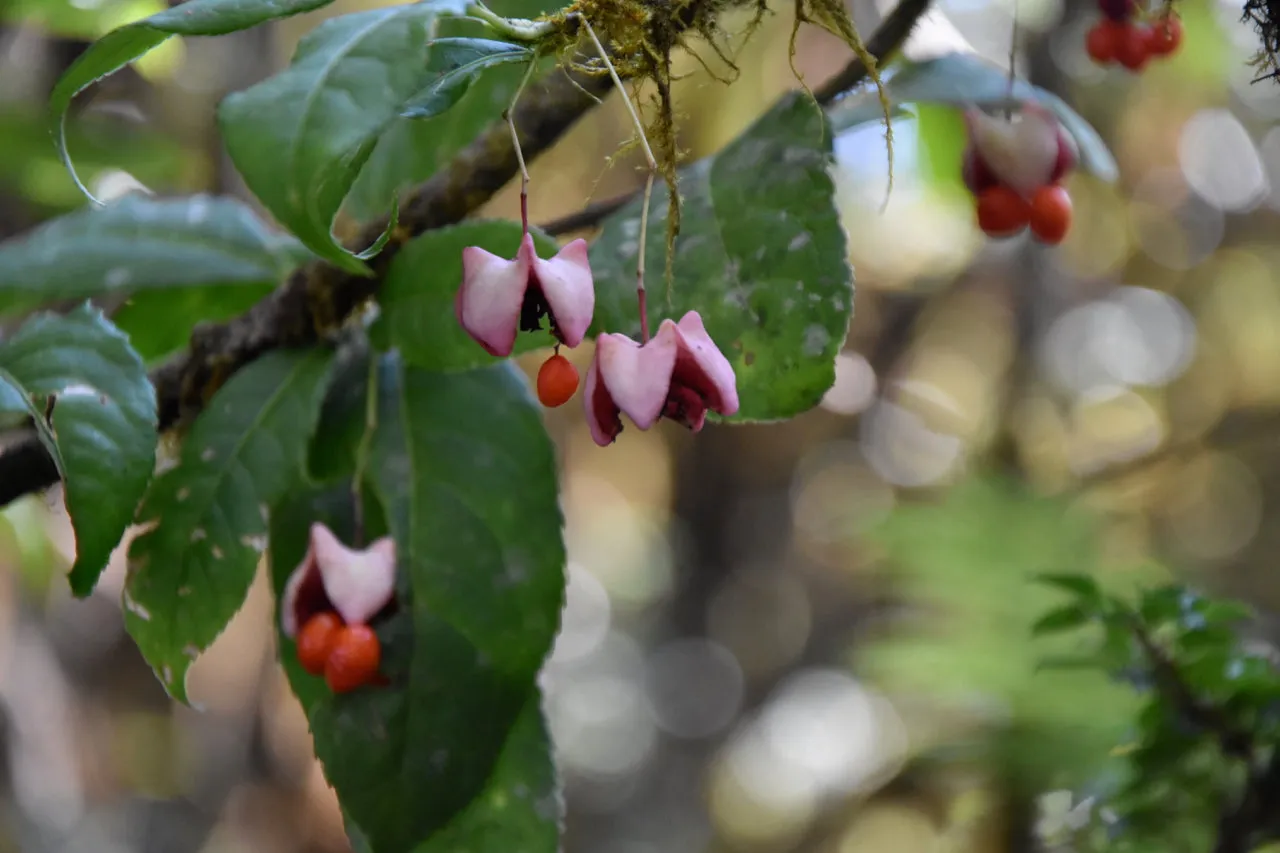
761	256
1082	586
125	44
300	138
1164	604
103	426
138	243
1225	613
160	322
961	79
418	293
189	574
519	810
456	64
466	474
1060	619
412	150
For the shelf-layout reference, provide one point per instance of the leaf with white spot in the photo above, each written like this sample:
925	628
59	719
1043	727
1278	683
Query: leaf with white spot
462	469
140	243
189	574
103	429
761	256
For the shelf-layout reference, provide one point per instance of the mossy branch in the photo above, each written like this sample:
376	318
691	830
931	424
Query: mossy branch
317	300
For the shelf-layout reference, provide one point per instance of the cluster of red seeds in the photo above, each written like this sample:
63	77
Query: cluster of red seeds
1003	212
1121	37
347	656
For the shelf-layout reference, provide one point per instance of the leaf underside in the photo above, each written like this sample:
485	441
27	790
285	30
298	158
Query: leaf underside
103	430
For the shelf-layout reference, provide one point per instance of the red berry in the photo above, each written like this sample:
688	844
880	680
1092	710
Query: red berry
1002	212
1132	50
1050	214
1103	41
1165	36
557	381
354	660
315	641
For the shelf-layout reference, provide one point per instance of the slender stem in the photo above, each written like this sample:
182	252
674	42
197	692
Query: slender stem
644	230
1013	57
648	184
509	115
516	29
362	450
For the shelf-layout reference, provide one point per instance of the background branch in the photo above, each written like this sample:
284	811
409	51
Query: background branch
317	299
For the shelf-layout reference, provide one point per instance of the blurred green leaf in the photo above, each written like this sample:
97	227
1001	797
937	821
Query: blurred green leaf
125	44
1064	618
138	243
73	19
300	138
762	256
31	168
189	574
1226	613
964	560
1081	586
103	432
962	79
1163	605
418	293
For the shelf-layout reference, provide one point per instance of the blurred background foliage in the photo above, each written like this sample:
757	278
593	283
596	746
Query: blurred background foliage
805	636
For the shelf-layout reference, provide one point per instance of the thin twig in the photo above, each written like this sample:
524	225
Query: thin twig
648	183
509	115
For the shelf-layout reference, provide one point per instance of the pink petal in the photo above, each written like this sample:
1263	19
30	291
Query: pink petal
304	595
1068	156
602	412
359	583
1021	152
566	284
488	303
701	366
638	377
